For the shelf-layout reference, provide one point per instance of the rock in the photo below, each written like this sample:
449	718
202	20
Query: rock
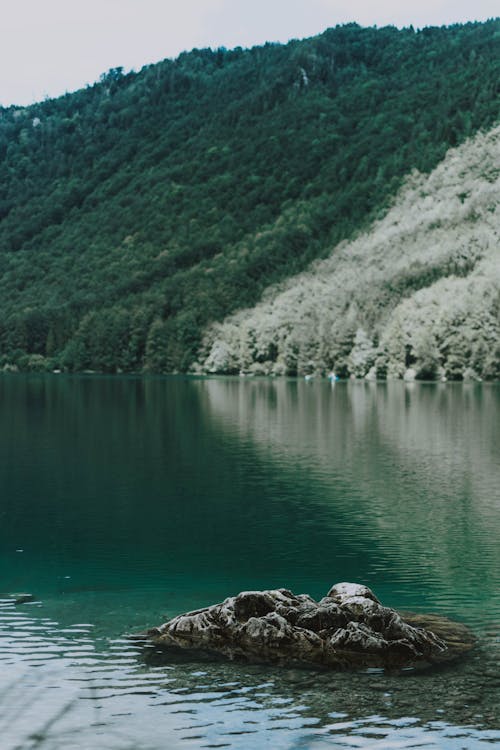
347	628
23	598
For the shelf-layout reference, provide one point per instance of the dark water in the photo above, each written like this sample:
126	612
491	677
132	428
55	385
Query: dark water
126	501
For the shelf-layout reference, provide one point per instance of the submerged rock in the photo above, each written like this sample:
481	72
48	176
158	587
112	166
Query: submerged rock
22	598
347	628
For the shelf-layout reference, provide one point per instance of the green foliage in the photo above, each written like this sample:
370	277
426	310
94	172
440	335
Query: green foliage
135	212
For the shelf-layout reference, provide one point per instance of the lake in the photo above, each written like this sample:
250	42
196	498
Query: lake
125	501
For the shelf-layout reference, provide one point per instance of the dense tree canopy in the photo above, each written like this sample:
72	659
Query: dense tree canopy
137	211
416	296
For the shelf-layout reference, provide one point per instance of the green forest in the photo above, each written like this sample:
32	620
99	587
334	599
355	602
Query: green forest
140	210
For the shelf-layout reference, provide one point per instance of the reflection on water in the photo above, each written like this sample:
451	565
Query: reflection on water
411	469
126	501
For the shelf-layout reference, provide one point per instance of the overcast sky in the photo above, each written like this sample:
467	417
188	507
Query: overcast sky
48	47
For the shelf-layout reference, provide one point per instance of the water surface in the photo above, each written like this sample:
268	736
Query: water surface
125	501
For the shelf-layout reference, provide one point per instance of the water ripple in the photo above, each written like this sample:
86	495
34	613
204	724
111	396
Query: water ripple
117	700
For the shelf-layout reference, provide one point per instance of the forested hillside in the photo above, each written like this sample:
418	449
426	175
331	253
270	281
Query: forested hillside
418	295
138	211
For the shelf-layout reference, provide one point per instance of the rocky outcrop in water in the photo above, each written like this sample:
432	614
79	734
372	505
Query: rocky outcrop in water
347	628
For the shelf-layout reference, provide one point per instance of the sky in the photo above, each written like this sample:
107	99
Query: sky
48	47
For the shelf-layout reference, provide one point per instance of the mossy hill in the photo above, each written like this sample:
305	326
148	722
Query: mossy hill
138	211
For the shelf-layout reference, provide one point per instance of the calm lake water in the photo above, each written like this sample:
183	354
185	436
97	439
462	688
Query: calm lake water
124	501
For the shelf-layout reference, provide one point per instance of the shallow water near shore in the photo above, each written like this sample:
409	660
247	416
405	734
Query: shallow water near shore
125	501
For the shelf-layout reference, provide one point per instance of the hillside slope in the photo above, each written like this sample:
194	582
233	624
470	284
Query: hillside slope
420	291
136	212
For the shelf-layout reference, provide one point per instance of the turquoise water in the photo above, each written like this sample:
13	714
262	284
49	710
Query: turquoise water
125	501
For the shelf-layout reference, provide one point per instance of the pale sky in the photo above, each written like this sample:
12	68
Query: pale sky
48	47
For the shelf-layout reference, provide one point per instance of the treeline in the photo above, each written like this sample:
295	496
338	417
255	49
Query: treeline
137	211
